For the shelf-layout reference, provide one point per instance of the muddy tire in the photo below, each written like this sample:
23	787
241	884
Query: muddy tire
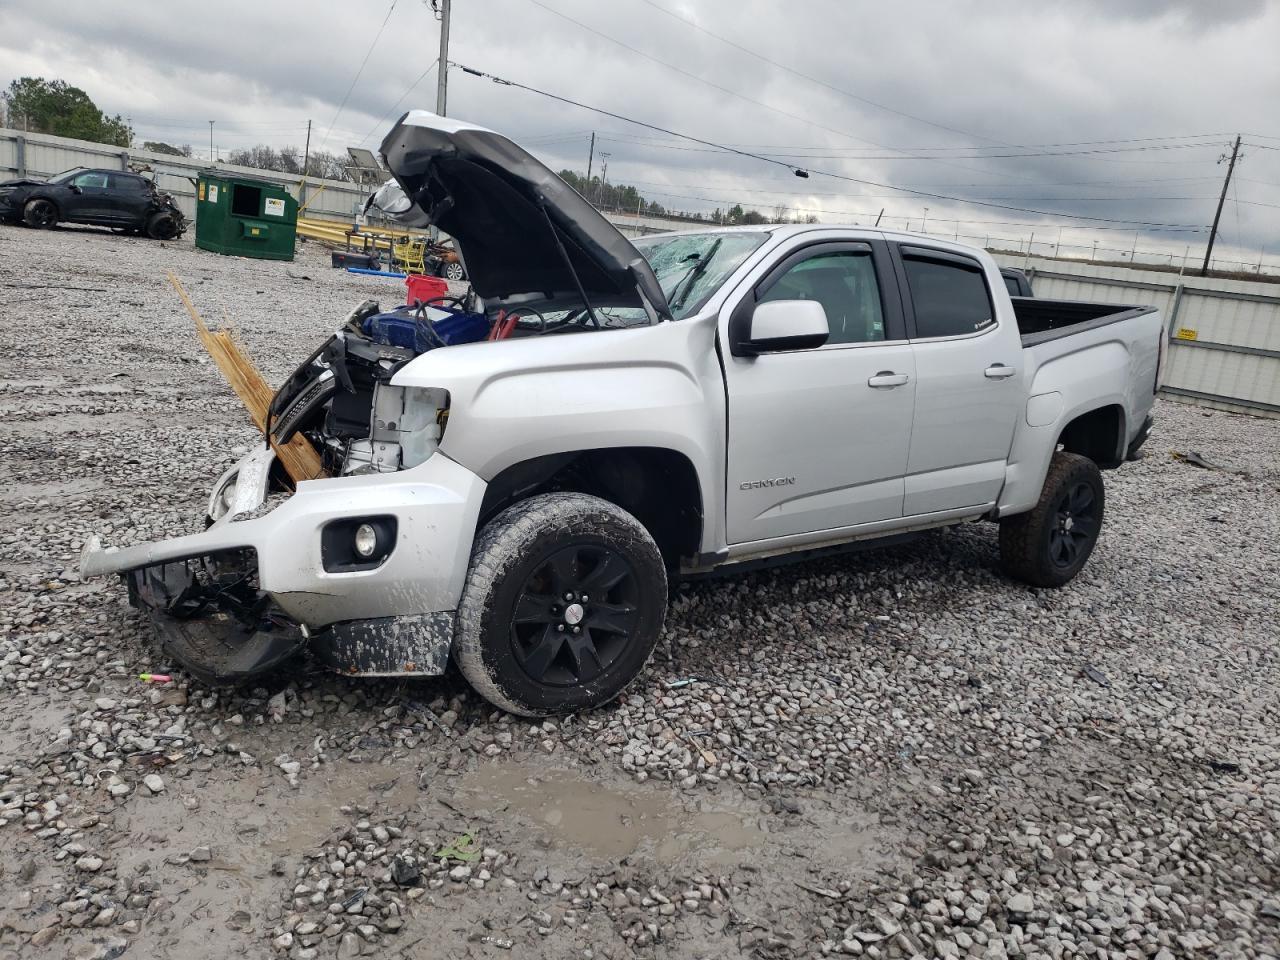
40	214
564	600
1050	544
163	226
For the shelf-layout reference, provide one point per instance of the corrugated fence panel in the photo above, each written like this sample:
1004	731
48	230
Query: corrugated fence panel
1224	335
40	155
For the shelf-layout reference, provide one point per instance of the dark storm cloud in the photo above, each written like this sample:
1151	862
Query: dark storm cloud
1002	72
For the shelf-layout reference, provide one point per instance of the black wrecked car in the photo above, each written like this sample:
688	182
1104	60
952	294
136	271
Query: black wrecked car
124	201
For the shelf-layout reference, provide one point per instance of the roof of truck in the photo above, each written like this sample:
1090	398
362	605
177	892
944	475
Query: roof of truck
794	229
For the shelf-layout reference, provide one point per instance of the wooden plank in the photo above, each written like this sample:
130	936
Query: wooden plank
298	456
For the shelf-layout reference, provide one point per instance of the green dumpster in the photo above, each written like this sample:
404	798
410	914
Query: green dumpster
244	216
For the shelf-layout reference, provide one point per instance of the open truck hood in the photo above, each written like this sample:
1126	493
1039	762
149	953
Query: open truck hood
501	205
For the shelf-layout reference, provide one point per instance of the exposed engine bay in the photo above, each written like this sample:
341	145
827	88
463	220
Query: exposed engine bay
342	399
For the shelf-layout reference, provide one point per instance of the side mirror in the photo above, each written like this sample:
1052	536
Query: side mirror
757	328
76	189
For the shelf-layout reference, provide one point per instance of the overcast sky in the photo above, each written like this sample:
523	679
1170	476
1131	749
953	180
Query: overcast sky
905	94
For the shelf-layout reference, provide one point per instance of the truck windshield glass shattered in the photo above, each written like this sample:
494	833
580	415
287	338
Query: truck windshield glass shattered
691	266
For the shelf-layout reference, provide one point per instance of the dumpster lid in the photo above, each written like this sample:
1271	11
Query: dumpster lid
495	200
214	173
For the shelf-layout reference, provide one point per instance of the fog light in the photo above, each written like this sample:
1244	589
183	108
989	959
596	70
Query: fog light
366	540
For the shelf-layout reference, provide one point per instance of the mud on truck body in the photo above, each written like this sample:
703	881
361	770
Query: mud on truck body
514	487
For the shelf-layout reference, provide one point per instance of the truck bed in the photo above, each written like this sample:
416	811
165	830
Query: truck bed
1042	320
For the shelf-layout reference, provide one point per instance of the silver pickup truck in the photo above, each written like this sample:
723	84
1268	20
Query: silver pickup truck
626	413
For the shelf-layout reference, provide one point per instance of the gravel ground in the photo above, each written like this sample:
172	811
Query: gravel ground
896	754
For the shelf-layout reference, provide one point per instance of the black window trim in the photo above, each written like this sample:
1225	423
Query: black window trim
890	301
901	252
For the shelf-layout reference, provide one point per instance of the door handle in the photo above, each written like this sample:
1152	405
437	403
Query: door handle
998	371
887	378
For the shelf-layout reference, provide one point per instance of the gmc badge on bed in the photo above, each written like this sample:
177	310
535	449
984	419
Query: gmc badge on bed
775	482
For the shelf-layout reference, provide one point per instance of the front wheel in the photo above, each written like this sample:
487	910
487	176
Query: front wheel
40	213
1050	544
454	271
563	604
163	226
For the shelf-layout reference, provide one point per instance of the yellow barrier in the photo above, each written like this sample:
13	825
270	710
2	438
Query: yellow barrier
338	231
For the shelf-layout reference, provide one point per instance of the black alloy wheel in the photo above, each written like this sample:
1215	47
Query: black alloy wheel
40	213
564	600
163	226
1049	544
575	615
1076	524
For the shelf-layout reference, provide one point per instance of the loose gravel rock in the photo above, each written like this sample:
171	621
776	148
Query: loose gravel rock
895	754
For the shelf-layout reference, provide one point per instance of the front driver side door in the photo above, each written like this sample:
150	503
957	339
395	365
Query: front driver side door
819	438
87	201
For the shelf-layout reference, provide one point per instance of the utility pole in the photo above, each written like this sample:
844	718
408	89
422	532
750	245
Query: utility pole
306	151
1235	155
924	221
591	155
211	141
442	69
1134	252
604	177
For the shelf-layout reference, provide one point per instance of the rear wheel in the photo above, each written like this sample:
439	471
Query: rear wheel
163	226
41	214
1050	544
563	604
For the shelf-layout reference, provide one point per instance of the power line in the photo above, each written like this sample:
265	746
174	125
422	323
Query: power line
822	83
905	156
798	171
381	120
716	86
941	219
356	79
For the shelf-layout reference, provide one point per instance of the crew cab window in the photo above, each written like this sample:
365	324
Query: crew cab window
950	298
844	282
1011	284
91	181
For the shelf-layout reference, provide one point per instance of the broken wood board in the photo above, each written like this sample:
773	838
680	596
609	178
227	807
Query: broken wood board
298	457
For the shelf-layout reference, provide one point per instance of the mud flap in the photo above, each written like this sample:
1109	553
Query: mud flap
387	646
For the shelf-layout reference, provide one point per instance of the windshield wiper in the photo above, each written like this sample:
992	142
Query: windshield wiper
685	287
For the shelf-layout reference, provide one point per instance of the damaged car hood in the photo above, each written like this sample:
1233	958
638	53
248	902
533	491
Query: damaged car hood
510	215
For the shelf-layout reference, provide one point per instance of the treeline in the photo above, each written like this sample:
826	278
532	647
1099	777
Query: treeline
624	198
319	163
57	108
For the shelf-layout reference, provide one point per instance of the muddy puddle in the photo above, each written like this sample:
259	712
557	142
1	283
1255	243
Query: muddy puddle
610	822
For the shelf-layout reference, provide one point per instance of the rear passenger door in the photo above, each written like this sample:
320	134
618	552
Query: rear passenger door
818	437
968	362
129	197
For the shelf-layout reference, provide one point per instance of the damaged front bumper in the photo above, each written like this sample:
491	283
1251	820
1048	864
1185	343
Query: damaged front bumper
263	581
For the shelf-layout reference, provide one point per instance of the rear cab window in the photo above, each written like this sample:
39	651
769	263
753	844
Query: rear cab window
948	293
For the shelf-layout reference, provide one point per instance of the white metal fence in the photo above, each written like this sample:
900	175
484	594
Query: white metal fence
1224	335
40	155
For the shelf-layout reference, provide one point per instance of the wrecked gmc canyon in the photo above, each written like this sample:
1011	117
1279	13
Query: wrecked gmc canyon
513	486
